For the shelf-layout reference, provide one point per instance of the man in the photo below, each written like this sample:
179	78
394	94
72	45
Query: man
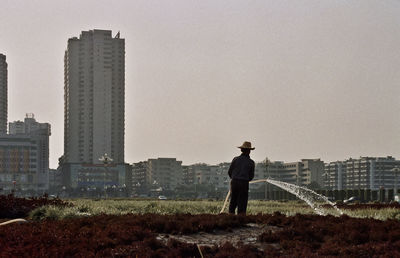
241	172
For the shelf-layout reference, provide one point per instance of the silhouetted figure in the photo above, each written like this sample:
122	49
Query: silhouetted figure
241	172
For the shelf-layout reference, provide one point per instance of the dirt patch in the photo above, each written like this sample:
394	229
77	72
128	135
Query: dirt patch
246	235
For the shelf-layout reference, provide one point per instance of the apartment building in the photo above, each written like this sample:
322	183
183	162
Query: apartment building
94	108
166	173
302	172
94	98
24	156
363	173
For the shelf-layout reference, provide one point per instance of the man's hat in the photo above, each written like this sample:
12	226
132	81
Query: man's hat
246	145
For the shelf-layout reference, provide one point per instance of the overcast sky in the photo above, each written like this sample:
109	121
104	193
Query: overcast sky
299	79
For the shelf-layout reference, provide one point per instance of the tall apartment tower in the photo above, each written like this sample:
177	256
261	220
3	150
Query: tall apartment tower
3	94
94	98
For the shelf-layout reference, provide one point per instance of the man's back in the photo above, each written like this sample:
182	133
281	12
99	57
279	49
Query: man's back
242	168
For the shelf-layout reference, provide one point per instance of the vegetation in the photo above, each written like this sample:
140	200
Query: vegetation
44	207
150	228
15	207
88	207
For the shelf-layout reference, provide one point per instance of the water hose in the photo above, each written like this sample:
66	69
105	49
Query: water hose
225	202
12	221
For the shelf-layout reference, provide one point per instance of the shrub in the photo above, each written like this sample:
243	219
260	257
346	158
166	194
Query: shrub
14	207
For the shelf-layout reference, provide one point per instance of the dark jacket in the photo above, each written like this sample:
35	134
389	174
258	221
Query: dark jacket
242	168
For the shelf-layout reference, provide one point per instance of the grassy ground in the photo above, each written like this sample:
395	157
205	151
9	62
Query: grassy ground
88	207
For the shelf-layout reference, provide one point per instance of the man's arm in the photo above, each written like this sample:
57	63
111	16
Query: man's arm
231	168
252	171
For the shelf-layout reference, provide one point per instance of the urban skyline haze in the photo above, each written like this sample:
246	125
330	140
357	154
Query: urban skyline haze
304	79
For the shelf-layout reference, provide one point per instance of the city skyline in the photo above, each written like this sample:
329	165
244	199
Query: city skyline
298	80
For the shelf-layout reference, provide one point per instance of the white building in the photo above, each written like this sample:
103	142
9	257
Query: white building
94	98
3	94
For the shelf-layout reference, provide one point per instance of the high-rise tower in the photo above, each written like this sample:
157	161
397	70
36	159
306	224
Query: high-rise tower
3	94
94	98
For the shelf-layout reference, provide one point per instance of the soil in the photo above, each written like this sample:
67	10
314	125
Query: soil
185	235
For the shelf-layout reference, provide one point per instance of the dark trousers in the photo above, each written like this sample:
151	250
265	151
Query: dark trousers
239	196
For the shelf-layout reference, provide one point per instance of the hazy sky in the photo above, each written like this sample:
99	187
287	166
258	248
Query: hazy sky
299	79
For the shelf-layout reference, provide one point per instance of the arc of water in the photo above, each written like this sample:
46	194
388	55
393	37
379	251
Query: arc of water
308	196
305	194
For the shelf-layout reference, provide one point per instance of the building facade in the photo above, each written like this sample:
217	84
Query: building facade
333	176
94	110
212	181
55	182
24	157
188	177
363	173
304	172
307	172
139	175
3	94
94	98
96	176
166	173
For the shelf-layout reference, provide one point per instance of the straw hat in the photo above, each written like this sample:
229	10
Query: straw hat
246	145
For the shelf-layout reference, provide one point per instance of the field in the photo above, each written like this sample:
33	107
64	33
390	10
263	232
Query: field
152	228
89	207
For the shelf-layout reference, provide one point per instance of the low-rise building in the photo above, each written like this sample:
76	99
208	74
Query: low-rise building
215	176
188	176
24	156
164	172
304	172
333	176
362	173
139	182
78	178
